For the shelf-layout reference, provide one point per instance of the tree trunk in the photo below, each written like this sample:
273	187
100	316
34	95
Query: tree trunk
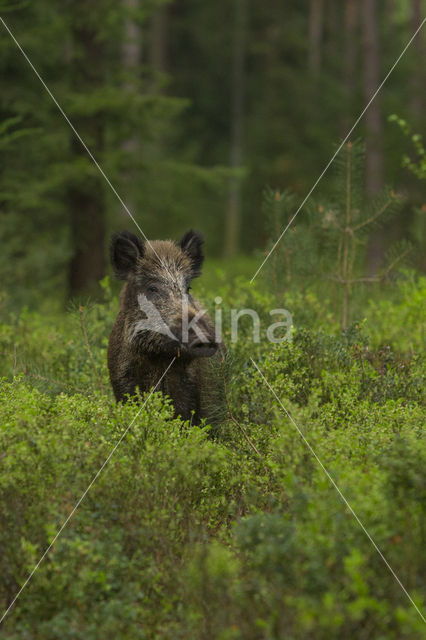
373	123
132	42
131	56
316	19
350	58
233	220
373	116
332	15
158	37
88	234
86	195
417	74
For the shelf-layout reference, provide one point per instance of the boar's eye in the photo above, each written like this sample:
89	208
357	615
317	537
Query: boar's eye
153	289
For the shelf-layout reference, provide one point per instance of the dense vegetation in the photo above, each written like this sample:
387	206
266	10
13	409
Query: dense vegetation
185	535
192	108
231	530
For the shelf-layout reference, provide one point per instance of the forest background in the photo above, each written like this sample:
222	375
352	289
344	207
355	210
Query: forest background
192	109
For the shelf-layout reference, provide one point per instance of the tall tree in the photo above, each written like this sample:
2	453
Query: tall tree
316	20
373	116
132	42
86	192
373	123
131	54
350	56
233	220
158	36
417	74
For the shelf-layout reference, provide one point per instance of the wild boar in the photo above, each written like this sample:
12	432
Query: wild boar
159	320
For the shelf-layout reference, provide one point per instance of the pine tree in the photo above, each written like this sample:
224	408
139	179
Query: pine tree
328	239
56	208
354	220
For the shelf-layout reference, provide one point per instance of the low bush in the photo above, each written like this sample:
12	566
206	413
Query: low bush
236	533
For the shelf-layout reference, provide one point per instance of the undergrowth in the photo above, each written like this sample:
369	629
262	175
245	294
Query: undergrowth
236	535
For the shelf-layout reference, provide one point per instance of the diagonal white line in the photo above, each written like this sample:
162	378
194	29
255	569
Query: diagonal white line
84	145
339	492
339	148
80	500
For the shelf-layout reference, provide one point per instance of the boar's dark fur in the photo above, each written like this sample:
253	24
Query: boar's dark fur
159	273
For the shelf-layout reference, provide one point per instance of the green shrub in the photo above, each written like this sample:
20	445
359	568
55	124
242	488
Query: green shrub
235	533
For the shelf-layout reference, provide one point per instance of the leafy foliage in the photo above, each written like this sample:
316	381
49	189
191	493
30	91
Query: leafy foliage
186	535
418	164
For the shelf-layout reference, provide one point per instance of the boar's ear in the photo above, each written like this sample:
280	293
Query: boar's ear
125	250
192	244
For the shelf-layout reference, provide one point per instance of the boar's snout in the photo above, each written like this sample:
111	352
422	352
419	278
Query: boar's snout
199	349
201	340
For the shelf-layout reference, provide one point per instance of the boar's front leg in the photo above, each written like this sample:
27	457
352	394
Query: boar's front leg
123	387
